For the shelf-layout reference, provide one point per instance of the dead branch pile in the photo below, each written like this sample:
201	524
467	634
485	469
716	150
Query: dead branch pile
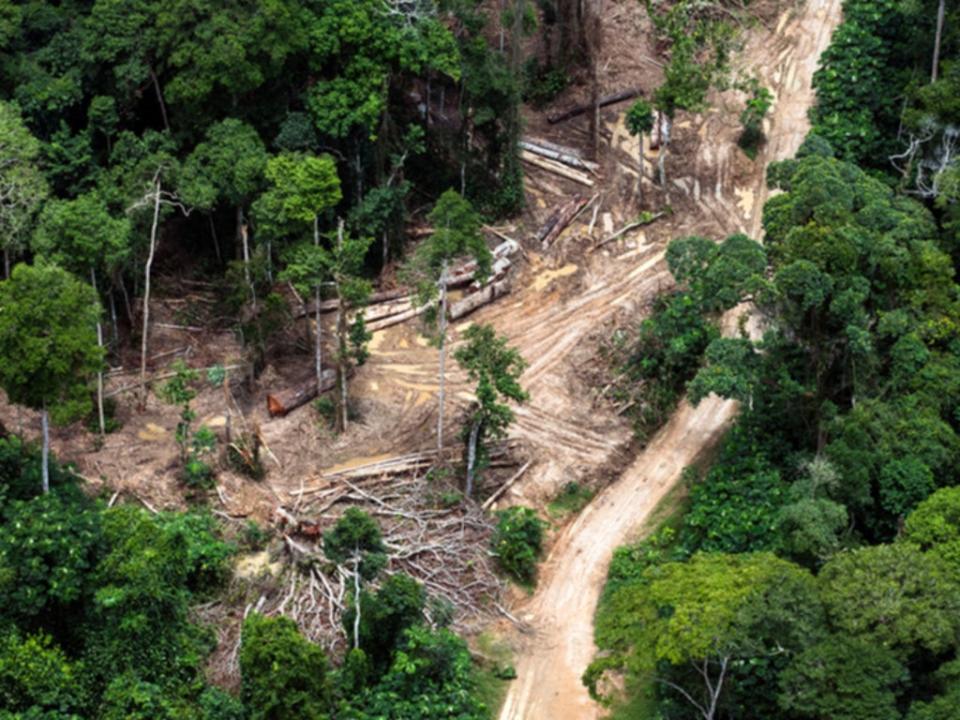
444	548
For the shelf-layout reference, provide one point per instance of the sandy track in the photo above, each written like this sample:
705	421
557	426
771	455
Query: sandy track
561	612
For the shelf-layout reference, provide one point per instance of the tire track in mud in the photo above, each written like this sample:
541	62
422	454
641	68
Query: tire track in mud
561	611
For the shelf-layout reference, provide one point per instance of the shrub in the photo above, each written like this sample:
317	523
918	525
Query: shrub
518	542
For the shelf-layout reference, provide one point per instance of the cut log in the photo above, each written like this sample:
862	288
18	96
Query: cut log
567	213
567	157
604	101
485	295
374	299
395	319
556	168
282	402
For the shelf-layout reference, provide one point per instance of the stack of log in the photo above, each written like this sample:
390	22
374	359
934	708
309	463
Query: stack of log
559	160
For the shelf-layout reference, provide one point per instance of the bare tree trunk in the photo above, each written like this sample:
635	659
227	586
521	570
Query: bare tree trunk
45	454
243	234
594	37
662	151
6	263
640	170
163	105
145	335
472	456
356	597
443	351
941	10
342	360
317	336
100	416
113	321
216	240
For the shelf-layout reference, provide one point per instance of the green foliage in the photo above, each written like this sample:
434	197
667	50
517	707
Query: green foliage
857	102
894	596
36	677
639	118
301	187
496	368
20	467
456	234
229	165
735	507
82	236
518	542
356	540
934	526
284	676
700	47
138	617
756	109
21	181
431	677
48	342
571	499
845	679
397	605
48	547
542	82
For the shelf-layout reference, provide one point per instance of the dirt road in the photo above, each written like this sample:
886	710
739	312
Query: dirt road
561	612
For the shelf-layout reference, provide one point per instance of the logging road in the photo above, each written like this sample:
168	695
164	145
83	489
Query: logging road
561	611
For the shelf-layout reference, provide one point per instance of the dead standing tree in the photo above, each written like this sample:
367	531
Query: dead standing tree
156	197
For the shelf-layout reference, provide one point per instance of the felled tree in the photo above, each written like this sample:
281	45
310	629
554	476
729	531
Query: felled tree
302	188
640	123
48	345
356	540
456	234
22	185
496	368
82	236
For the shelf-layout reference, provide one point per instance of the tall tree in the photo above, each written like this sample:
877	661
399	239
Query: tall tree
640	123
228	166
22	185
82	236
48	345
345	263
302	188
356	540
496	368
456	235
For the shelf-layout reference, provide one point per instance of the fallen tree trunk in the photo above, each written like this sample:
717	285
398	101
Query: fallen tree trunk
506	486
565	216
556	168
555	152
645	219
374	299
604	101
282	402
485	295
395	319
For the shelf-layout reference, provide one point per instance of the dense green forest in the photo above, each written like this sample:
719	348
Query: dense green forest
813	569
